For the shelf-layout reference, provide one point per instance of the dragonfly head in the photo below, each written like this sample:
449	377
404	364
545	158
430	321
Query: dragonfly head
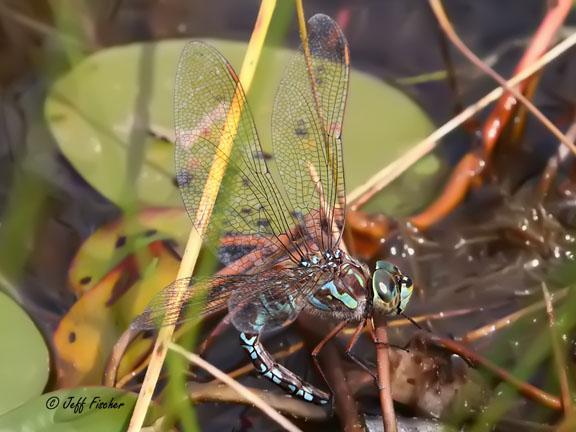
391	290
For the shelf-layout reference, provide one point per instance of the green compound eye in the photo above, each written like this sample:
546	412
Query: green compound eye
385	265
385	286
392	290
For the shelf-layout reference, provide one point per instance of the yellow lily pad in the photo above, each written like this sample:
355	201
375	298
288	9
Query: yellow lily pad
85	336
113	242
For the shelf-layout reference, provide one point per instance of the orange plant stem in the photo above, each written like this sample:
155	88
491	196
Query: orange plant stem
471	165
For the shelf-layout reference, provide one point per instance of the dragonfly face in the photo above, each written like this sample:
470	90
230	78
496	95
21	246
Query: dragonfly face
391	290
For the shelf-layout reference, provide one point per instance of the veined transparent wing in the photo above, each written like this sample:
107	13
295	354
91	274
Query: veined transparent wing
207	93
306	124
266	300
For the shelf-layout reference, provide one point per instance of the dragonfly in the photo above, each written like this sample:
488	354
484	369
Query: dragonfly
294	204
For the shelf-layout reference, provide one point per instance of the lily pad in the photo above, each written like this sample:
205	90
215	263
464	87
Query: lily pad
82	409
112	243
85	336
91	112
24	363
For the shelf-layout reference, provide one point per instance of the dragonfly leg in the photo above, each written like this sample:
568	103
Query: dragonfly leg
278	374
316	351
352	343
220	328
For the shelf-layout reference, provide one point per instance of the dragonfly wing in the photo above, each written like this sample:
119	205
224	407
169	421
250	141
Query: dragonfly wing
306	124
266	299
248	202
275	299
183	300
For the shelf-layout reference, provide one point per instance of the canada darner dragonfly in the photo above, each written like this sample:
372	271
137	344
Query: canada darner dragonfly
296	212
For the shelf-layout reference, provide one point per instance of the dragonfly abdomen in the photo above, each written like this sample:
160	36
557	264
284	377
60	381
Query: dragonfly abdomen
278	374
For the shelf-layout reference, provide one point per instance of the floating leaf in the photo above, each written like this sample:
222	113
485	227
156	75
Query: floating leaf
80	409
112	243
86	334
91	113
24	362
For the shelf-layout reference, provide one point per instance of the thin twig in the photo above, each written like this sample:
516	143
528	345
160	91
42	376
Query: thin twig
554	162
446	25
384	177
494	326
525	388
205	207
257	401
215	391
380	336
558	354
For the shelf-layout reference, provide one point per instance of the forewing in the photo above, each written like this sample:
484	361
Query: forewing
306	125
208	93
265	300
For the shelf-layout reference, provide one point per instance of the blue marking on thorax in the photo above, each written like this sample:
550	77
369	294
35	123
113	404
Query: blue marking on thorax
348	301
317	303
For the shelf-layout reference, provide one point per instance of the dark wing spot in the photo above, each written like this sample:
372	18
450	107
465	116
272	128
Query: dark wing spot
301	130
120	241
262	223
86	280
261	155
72	337
246	211
150	232
319	73
245	181
297	215
184	178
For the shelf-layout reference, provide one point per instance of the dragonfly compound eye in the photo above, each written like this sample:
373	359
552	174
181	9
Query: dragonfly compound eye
386	288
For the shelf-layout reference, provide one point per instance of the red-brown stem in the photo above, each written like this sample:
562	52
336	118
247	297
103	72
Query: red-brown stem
472	165
380	337
541	40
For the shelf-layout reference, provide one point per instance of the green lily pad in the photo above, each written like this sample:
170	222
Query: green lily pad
82	409
24	363
91	112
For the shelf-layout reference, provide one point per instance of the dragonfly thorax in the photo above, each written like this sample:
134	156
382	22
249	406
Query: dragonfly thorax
327	260
344	291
